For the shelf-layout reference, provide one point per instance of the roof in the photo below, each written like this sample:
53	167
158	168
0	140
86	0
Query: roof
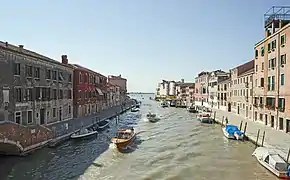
116	77
20	49
86	69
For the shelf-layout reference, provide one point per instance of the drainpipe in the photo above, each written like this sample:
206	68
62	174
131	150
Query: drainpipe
278	80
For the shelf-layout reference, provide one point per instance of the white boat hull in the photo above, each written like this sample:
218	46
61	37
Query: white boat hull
77	136
229	136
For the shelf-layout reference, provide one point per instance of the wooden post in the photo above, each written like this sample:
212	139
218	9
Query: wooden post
214	115
241	124
257	138
222	121
264	133
245	128
288	156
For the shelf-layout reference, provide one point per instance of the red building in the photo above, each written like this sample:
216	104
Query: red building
89	91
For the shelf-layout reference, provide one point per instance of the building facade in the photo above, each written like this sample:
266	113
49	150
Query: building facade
241	99
224	94
35	88
113	97
201	89
271	87
214	78
122	83
90	95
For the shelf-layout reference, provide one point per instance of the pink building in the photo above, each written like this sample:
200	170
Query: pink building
122	83
201	89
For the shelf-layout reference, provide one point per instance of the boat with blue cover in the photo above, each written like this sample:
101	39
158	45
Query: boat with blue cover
205	118
232	132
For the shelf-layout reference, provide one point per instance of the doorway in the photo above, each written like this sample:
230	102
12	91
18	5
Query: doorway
238	109
42	116
229	107
287	125
266	119
272	121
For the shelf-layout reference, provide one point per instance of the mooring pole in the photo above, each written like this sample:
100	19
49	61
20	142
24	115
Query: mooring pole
257	138
241	124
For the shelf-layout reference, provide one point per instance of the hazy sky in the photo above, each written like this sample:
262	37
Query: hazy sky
144	40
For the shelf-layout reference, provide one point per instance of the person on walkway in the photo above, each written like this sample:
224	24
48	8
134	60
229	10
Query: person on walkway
227	121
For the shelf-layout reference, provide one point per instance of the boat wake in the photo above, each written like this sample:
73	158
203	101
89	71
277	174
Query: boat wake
112	146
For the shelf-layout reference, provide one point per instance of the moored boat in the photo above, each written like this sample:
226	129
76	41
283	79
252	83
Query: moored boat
205	118
84	132
124	138
135	109
272	161
164	104
192	109
232	132
102	124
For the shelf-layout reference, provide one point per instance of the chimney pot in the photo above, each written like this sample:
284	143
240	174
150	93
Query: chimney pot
64	59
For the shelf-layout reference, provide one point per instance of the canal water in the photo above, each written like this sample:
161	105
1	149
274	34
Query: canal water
177	147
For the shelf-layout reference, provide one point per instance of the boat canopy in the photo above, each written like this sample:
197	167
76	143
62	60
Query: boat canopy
272	158
231	129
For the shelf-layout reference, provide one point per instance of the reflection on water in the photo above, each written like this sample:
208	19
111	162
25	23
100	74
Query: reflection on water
177	147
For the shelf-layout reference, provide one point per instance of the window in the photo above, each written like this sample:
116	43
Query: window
48	74
60	76
283	59
269	47
60	94
29	117
281	104
54	94
81	79
69	109
28	94
269	83
54	75
262	51
273	83
272	63
28	71
69	96
69	78
283	39
16	68
18	94
262	82
273	44
17	117
256	68
80	94
282	80
54	112
37	93
262	66
36	72
256	53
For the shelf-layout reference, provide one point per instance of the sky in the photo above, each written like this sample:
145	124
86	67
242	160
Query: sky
143	40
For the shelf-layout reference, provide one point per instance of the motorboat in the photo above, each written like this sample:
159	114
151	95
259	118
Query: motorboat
124	138
152	118
232	132
137	105
205	118
164	104
102	124
135	109
272	161
84	132
192	109
172	103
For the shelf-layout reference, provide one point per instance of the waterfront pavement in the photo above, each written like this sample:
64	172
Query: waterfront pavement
274	139
70	126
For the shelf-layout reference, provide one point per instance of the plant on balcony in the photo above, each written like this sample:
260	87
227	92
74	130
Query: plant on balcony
255	105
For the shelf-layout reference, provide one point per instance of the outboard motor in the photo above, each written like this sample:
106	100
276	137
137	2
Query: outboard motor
288	171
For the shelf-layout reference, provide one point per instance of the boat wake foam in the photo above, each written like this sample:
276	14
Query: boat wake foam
112	146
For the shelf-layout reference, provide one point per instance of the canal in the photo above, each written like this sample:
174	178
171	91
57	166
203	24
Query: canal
176	148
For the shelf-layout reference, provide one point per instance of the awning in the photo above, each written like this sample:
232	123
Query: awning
99	91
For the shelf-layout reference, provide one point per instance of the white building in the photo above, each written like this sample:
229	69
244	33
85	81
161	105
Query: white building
172	88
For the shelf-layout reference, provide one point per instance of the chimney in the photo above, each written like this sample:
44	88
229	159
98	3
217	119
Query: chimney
21	46
6	44
64	59
182	80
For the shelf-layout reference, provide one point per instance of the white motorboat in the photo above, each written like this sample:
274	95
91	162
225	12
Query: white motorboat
272	161
192	109
205	118
164	104
152	117
232	132
84	132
